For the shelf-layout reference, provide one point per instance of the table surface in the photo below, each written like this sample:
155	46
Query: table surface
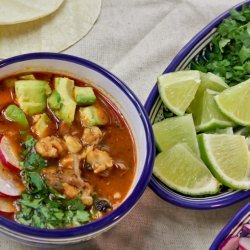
136	40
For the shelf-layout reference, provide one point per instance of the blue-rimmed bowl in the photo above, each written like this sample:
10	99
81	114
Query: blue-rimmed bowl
137	119
155	109
233	228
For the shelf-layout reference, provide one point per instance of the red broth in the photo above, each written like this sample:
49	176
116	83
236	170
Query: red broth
110	185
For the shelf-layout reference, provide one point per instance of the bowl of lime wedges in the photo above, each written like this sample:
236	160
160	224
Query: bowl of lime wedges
199	109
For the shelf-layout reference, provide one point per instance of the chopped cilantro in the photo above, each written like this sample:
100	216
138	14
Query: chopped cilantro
41	205
44	212
28	144
228	55
34	162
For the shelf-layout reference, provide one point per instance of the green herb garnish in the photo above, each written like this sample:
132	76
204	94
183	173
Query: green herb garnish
41	205
45	211
229	56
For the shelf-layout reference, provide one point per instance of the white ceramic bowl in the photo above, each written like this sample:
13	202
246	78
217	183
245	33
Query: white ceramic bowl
133	112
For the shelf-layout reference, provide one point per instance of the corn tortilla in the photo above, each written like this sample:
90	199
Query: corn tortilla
53	33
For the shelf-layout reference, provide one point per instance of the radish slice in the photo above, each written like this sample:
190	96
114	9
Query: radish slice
10	182
231	244
246	228
244	244
6	205
8	156
3	195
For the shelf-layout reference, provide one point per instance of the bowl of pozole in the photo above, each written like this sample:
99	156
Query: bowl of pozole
76	149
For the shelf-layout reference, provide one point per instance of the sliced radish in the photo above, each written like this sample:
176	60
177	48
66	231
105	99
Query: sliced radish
8	156
10	182
231	244
244	244
3	195
246	228
6	205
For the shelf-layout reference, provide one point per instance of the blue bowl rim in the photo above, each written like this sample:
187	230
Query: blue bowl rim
125	207
229	226
154	183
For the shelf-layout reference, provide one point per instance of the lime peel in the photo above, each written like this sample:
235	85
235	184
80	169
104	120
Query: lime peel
235	102
186	174
227	157
178	89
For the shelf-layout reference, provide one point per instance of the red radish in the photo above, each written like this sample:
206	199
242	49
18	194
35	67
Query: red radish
8	156
3	195
244	244
231	244
10	182
246	228
6	205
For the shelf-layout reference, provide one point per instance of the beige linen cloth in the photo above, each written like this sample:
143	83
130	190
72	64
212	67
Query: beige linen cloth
136	40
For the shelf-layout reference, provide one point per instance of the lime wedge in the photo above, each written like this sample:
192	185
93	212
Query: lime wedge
184	172
177	89
178	129
227	157
208	81
227	131
209	116
235	102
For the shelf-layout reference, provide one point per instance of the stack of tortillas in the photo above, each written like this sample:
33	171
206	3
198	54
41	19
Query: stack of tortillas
44	25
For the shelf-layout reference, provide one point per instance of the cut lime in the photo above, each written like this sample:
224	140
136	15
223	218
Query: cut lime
227	131
179	129
227	157
208	81
235	102
184	172
177	89
210	117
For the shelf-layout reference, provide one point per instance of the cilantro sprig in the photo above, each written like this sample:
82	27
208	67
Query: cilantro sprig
228	55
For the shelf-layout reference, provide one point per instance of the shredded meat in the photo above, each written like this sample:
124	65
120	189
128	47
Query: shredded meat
68	161
85	152
92	136
51	147
73	143
99	160
70	191
71	182
86	198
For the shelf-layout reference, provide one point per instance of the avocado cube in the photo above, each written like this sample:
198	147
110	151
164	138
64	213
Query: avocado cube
27	77
64	86
41	124
92	116
31	95
84	95
15	114
54	100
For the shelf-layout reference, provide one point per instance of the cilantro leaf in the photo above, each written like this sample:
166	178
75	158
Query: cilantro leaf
34	162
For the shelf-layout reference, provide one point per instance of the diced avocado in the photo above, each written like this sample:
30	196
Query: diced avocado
27	77
92	116
64	86
31	95
54	100
84	95
41	125
15	114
